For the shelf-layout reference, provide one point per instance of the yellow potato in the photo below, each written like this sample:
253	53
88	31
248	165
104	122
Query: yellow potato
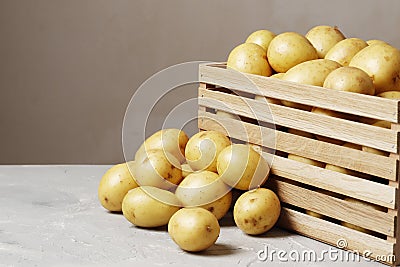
375	41
383	124
312	72
267	99
171	140
261	37
323	38
390	95
249	58
289	49
306	160
193	229
350	79
224	114
186	170
339	169
206	190
159	169
382	63
148	206
256	211
203	148
241	167
278	75
345	50
114	185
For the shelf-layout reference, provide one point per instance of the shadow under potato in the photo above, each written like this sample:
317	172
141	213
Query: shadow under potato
218	249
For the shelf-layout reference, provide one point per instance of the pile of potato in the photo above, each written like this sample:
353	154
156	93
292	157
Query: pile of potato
187	184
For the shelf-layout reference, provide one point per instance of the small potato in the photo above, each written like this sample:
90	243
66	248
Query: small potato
383	124
350	79
257	211
323	38
186	170
345	50
249	58
159	169
241	167
114	185
148	206
203	148
206	190
390	94
193	229
261	37
306	160
171	140
289	49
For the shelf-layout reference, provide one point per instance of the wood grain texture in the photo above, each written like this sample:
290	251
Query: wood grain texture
365	217
330	233
351	103
345	157
348	131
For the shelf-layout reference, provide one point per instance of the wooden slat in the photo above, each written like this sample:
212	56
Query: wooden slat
345	157
363	216
349	131
330	233
357	104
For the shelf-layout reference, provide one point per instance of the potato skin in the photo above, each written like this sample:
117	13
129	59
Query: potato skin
241	167
203	149
289	49
306	160
205	189
261	37
114	185
256	211
149	206
323	38
345	50
193	229
249	58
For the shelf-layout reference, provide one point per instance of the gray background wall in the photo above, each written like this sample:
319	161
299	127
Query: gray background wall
69	67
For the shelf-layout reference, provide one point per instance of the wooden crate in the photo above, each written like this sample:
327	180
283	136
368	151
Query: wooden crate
301	186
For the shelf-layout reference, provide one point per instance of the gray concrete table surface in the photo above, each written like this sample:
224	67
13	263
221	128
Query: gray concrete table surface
50	216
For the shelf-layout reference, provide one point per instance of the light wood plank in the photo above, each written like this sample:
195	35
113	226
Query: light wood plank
330	233
366	217
349	131
357	104
369	163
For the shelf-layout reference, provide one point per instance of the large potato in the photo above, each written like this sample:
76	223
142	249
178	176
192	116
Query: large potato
241	167
382	63
383	124
193	229
203	148
114	185
159	169
350	79
257	211
261	37
323	38
206	190
148	206
249	58
306	160
312	72
345	50
170	140
289	49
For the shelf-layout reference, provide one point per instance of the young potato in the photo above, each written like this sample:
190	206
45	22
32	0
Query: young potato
261	37
278	75
257	211
350	79
289	49
390	94
148	206
323	38
345	50
203	149
206	190
193	229
241	167
383	124
249	58
186	170
159	169
382	63
114	185
171	140
306	160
